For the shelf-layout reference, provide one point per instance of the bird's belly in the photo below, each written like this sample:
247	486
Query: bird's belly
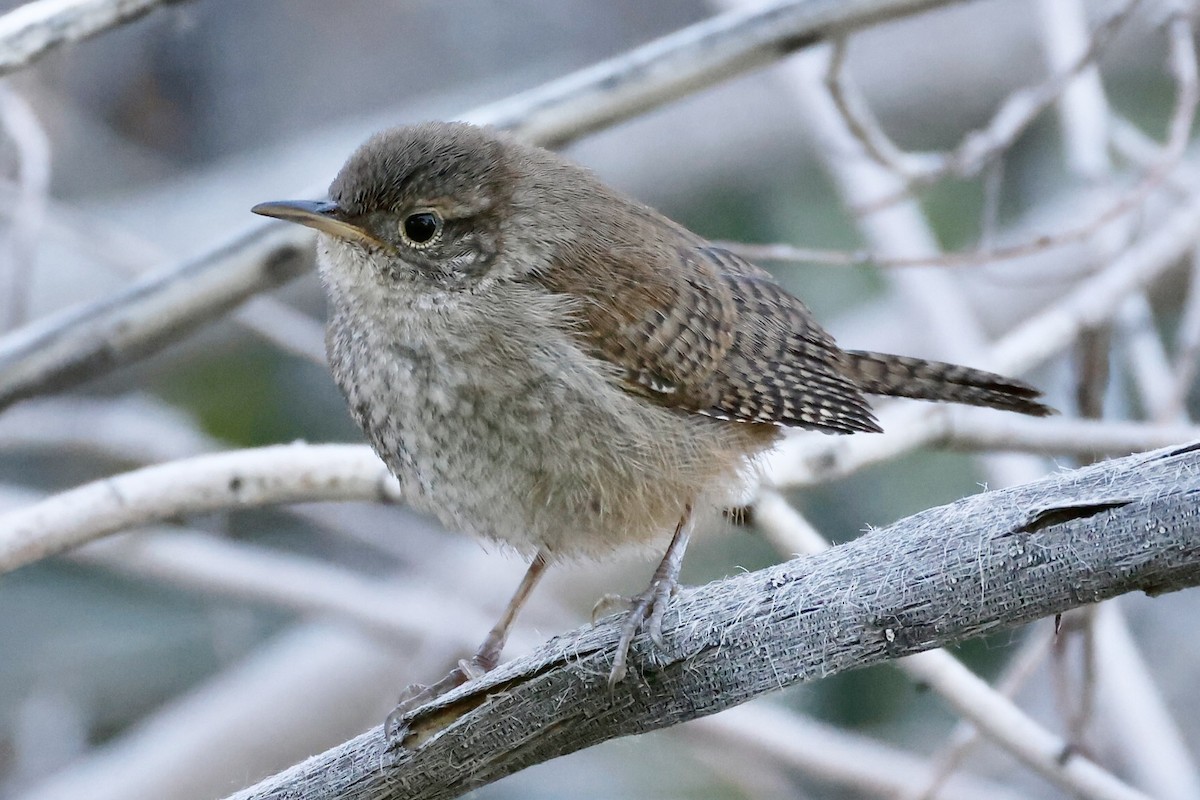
539	455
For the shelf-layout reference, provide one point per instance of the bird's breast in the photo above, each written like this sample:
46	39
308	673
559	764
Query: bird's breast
506	429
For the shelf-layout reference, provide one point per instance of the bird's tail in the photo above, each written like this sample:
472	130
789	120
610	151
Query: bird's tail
901	376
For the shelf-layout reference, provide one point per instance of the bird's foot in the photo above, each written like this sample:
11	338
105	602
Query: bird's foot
645	613
416	695
647	609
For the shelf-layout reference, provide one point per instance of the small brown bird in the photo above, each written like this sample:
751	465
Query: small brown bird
545	362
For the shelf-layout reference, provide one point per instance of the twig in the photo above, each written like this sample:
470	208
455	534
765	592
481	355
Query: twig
1075	694
1146	360
1091	370
990	561
862	124
1019	669
201	562
1187	343
33	175
989	214
825	752
980	147
1088	439
31	30
133	427
1137	715
1182	64
241	479
1018	111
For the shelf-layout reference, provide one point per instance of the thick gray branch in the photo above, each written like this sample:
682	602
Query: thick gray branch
985	563
77	345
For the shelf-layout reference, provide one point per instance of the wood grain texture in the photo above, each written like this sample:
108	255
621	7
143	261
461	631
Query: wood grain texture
982	564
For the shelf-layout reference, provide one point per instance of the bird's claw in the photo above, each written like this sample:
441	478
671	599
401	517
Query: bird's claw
416	695
646	612
608	604
394	726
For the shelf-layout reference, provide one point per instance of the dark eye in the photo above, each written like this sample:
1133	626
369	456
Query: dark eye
422	227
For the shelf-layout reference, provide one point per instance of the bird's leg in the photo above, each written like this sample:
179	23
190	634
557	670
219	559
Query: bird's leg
488	655
648	607
484	660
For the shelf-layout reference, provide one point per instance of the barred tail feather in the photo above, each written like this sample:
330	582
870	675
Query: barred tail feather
901	376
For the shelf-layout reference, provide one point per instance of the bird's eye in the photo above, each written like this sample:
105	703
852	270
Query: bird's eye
421	228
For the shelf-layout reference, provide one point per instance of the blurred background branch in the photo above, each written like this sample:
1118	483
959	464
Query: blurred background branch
29	32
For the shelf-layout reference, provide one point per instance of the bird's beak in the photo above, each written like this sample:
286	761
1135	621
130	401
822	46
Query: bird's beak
323	215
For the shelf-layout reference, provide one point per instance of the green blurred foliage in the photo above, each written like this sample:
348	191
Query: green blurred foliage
249	394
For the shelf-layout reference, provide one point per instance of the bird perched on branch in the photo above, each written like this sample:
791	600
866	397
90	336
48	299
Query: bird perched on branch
545	362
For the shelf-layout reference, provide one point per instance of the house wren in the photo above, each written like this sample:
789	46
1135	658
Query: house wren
547	363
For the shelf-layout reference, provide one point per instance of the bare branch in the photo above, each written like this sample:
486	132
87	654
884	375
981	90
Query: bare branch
1059	436
31	30
32	145
1021	108
297	472
240	479
826	752
200	562
683	62
135	428
1137	715
987	562
1147	361
965	735
980	147
1187	342
59	351
860	121
1182	66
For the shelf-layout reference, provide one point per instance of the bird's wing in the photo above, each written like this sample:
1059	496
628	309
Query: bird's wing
712	334
783	368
